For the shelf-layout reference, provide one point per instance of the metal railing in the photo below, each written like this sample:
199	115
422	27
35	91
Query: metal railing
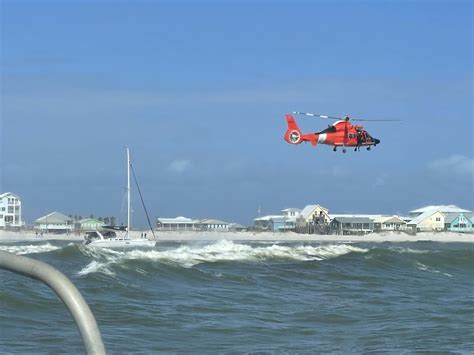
66	291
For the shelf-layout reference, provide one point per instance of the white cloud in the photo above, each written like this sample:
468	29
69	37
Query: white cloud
456	163
179	166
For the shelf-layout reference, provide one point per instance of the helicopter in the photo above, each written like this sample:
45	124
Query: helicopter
342	133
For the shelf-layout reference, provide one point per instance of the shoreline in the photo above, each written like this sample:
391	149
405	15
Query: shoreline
392	237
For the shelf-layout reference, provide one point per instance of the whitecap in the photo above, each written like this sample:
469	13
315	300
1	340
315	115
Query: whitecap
423	267
29	249
224	251
96	267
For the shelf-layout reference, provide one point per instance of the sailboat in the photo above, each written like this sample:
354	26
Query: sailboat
107	237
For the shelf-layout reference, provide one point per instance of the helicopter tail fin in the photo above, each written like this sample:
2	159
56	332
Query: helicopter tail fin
293	134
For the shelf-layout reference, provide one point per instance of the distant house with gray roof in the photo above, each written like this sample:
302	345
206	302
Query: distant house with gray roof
54	222
212	225
176	224
352	225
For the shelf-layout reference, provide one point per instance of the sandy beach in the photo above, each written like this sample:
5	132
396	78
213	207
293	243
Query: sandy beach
445	237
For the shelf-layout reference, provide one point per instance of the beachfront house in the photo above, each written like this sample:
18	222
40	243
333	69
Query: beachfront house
54	222
352	225
312	214
286	221
389	223
10	211
459	222
428	221
176	224
236	227
88	225
269	223
212	225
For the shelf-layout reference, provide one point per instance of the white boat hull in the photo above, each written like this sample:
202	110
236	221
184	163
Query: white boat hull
121	243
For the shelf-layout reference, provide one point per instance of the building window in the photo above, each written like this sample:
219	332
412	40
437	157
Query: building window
438	219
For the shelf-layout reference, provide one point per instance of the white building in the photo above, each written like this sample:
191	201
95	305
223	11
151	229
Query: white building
10	210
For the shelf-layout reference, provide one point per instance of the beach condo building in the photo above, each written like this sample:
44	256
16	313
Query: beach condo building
55	222
10	211
459	222
176	224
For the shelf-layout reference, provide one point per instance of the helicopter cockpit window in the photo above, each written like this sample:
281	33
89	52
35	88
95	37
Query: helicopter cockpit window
351	135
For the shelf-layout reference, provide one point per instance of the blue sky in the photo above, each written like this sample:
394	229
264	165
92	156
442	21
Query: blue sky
199	90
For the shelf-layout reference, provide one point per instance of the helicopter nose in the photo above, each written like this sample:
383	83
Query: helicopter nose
376	141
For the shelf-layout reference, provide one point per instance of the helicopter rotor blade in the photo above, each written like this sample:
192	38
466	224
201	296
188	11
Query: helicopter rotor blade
316	115
376	120
345	118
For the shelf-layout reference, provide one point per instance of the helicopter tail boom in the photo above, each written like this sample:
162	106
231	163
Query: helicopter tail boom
293	134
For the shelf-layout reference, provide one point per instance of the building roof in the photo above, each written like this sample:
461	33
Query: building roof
54	218
5	194
389	219
309	209
291	210
237	226
450	217
440	208
353	220
212	221
89	220
267	218
422	217
370	216
176	220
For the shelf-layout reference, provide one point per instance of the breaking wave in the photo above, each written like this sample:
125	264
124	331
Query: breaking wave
30	249
188	256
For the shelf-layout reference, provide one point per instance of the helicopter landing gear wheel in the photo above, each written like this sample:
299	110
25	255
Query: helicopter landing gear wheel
344	150
334	149
368	148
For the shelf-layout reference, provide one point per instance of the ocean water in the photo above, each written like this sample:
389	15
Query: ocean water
259	297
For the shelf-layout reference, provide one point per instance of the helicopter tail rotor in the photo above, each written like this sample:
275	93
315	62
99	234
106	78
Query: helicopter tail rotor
293	134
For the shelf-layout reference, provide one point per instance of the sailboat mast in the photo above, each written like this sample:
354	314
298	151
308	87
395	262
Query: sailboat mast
129	210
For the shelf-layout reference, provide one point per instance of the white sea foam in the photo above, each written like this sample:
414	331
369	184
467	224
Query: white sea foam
423	267
402	250
97	267
222	251
29	249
